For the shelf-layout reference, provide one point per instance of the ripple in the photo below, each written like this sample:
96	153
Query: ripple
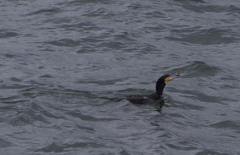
95	13
31	113
81	25
46	11
200	96
54	147
206	151
46	76
182	146
4	143
88	117
227	125
51	148
111	45
7	34
196	69
87	129
83	145
204	36
155	14
211	8
83	2
64	42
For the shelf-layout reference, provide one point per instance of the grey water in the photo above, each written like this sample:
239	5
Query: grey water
62	60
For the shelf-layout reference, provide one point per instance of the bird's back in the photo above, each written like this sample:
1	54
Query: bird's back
139	99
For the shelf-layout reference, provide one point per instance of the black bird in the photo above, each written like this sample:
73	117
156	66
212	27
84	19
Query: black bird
161	83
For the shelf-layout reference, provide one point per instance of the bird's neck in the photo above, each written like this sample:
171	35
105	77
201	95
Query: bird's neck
159	89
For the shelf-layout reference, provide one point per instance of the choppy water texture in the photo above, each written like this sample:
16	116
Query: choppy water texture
60	61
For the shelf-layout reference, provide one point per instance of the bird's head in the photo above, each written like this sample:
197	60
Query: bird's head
163	80
168	78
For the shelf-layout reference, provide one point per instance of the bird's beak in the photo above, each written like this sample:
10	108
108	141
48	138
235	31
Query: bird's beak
171	77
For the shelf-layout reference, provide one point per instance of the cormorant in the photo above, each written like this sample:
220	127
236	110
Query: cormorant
161	83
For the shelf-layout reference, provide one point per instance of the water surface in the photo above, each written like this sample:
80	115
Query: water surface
61	61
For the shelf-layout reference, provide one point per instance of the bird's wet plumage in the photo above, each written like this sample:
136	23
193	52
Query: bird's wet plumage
161	83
